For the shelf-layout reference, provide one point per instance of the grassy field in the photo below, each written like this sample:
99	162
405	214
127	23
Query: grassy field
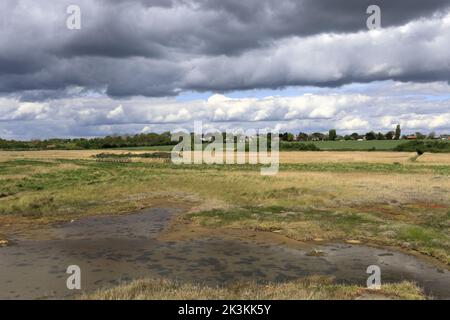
380	201
348	145
312	288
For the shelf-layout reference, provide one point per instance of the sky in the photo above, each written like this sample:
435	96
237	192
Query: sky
155	65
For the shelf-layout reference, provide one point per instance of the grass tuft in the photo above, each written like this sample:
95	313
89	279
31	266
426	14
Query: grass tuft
311	288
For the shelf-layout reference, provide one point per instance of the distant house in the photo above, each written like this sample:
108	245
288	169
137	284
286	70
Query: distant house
411	137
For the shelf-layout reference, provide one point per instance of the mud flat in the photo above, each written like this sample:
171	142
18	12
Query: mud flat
117	249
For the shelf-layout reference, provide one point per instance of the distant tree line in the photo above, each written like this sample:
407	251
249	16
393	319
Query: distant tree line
371	135
115	141
155	139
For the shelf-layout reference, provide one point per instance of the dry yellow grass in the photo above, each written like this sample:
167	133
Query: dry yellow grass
322	190
339	157
345	157
313	288
435	158
285	157
56	154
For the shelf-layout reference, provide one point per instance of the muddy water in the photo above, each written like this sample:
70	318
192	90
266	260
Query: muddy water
112	250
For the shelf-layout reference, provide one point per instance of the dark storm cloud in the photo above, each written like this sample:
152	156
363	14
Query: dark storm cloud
229	27
159	48
307	17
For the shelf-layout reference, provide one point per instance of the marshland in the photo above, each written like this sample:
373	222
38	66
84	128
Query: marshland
148	228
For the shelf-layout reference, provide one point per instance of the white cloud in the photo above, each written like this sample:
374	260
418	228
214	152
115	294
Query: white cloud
430	122
379	108
352	123
116	113
146	129
30	110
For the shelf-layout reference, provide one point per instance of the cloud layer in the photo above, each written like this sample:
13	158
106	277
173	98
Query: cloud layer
125	70
161	48
346	109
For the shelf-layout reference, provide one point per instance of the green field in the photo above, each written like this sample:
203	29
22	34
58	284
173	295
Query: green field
345	145
349	145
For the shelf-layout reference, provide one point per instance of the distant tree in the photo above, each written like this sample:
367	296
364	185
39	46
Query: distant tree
390	135
381	136
332	135
355	136
371	135
290	137
302	136
432	135
286	136
398	132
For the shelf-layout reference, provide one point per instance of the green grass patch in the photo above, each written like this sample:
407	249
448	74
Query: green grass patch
298	146
422	146
418	234
352	145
